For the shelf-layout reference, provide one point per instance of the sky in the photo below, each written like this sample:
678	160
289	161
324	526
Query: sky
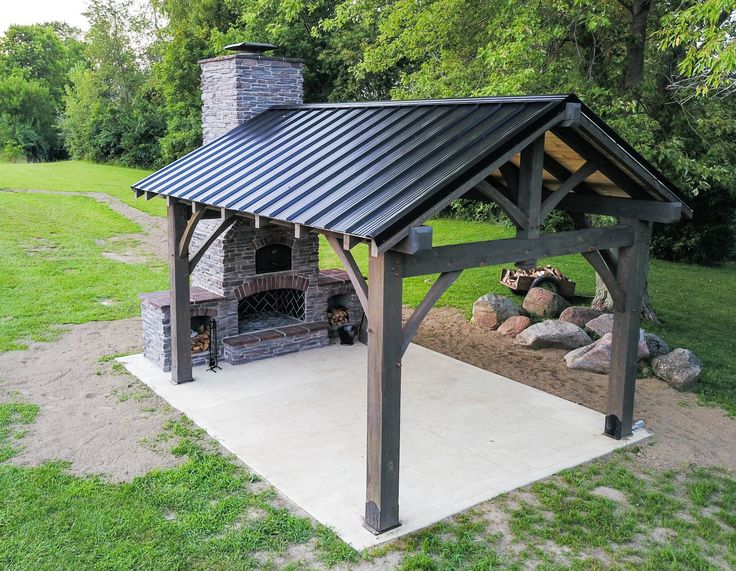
38	11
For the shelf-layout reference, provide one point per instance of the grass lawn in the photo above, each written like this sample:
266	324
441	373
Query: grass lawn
79	176
53	272
210	513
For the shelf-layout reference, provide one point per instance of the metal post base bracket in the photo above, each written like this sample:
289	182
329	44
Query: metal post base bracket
372	521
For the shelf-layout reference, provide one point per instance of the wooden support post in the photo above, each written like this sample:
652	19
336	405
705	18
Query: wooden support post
631	276
181	343
530	192
384	391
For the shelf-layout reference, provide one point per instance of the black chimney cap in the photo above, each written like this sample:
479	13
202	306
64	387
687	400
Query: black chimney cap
250	47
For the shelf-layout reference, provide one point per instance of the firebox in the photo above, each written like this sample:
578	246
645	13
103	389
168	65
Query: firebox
273	258
269	309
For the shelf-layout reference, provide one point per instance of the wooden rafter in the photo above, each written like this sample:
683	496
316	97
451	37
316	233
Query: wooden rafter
578	144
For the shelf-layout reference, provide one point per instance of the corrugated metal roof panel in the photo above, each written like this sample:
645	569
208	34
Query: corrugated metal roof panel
352	168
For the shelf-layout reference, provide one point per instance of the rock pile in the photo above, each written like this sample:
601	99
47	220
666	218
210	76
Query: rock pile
586	332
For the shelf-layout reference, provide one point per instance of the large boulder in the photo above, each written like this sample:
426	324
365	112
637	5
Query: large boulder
491	310
580	315
656	345
680	369
596	357
601	325
544	303
559	334
514	325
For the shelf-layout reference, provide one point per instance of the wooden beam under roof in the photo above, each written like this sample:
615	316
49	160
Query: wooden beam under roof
477	254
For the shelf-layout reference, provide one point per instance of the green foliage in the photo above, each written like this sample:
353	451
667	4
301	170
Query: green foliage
34	65
111	114
704	32
27	117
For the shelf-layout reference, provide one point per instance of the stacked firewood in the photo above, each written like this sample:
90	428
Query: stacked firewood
200	339
541	271
337	316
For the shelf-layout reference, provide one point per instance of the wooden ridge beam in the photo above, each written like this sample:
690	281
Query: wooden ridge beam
440	286
477	254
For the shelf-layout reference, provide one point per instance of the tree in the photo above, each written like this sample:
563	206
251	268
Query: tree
704	33
604	52
27	117
111	113
34	66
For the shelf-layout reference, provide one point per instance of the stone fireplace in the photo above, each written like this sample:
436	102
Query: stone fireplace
261	286
264	290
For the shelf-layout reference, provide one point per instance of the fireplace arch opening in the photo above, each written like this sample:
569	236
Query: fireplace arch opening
273	258
271	309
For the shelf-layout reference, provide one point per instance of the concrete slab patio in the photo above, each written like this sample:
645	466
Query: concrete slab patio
467	435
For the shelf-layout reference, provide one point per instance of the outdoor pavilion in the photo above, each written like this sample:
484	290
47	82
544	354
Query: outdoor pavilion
375	172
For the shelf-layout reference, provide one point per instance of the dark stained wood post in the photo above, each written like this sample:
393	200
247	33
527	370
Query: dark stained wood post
181	344
531	170
384	391
631	275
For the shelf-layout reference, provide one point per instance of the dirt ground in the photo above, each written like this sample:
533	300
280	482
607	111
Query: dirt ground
93	415
685	432
104	421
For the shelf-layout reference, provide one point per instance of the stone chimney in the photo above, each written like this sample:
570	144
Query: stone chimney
238	86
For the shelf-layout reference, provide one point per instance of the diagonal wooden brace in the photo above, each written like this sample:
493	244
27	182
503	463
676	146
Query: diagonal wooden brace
443	281
186	238
351	267
224	225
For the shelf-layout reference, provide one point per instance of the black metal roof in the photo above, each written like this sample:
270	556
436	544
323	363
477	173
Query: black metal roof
367	169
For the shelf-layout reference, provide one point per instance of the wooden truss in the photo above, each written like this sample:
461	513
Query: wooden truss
618	253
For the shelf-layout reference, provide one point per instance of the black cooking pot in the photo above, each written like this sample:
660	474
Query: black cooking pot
347	334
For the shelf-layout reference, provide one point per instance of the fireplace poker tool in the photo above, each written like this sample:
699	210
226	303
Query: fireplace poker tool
213	362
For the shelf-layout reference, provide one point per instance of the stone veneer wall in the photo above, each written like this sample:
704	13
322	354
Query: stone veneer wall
239	86
231	259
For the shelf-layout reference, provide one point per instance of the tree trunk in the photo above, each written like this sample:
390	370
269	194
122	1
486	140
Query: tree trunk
635	49
634	74
603	301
